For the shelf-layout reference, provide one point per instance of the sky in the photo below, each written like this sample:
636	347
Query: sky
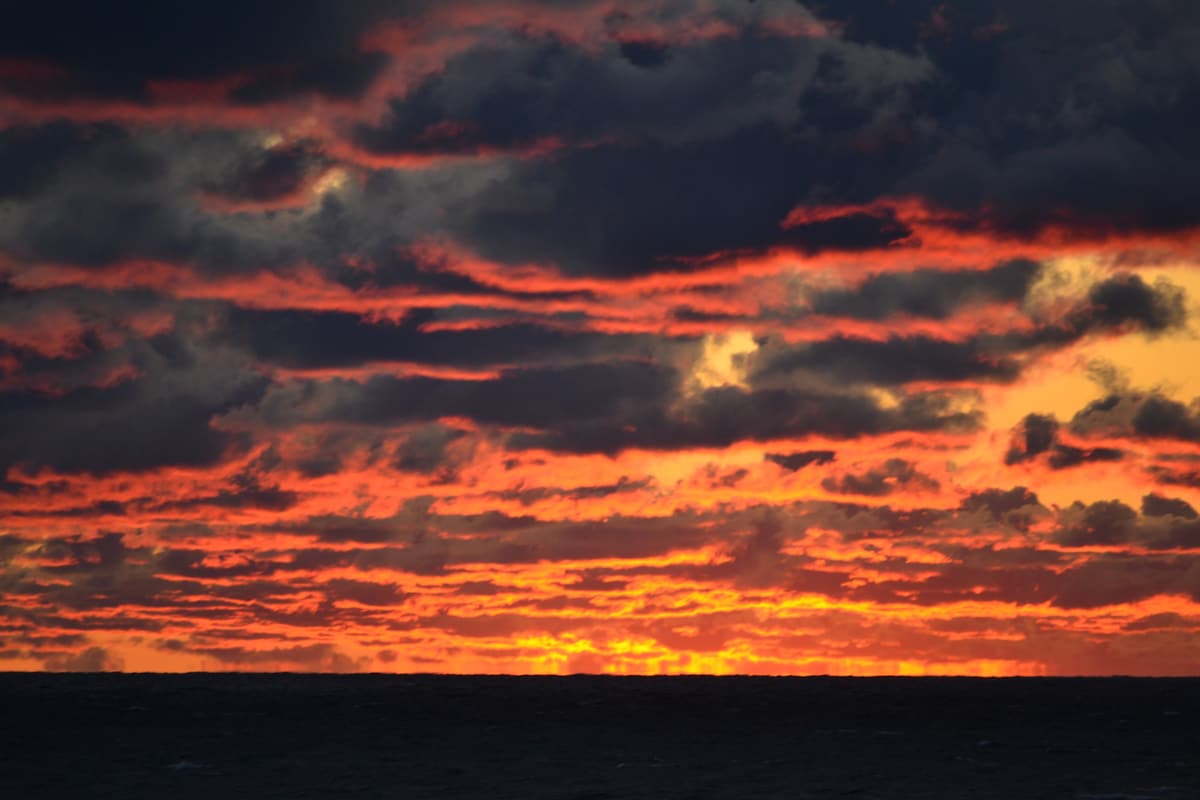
660	336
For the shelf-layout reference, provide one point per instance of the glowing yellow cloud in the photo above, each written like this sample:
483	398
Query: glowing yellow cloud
722	360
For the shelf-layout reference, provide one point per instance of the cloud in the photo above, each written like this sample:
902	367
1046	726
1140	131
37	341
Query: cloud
898	360
161	417
534	397
1121	579
1069	152
891	476
1167	620
1164	524
344	76
118	197
273	175
31	156
646	54
797	461
722	416
311	339
935	294
426	448
1017	507
515	89
293	46
1155	505
304	658
1122	303
1126	299
1038	434
93	659
510	337
1147	415
632	209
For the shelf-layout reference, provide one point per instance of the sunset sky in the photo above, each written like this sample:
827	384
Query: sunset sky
654	336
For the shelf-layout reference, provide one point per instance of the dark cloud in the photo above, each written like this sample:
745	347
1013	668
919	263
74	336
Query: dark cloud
1034	435
109	430
1161	418
737	93
536	397
719	417
1126	299
164	195
1037	434
326	451
1122	303
31	156
1145	415
423	542
894	25
1164	524
78	554
514	91
755	560
530	496
898	359
273	174
1027	126
305	658
597	582
1164	621
1025	584
343	76
191	563
412	523
1034	130
119	51
120	196
60	340
893	475
1066	456
1108	522
1015	506
425	449
164	417
942	111
364	592
848	232
93	659
267	498
1155	505
10	546
308	339
928	293
626	209
796	461
647	54
1081	184
1117	579
479	588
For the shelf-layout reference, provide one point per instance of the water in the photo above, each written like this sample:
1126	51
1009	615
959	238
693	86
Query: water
241	735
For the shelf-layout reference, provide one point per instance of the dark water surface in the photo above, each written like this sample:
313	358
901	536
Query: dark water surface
235	736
